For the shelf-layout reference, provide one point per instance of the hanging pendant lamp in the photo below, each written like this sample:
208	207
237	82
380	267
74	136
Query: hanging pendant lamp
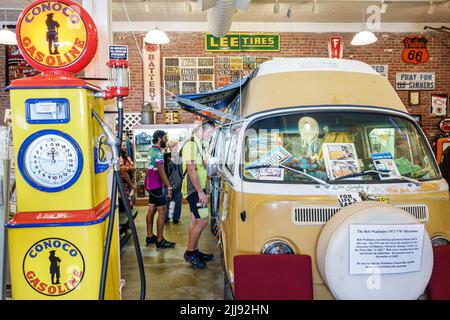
363	37
7	37
156	36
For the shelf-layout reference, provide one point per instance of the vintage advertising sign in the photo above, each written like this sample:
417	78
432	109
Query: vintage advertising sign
415	51
152	76
16	66
386	248
444	125
415	81
56	35
243	42
439	103
382	69
53	267
335	47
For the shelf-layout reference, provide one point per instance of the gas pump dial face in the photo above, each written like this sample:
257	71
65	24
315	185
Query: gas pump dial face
50	160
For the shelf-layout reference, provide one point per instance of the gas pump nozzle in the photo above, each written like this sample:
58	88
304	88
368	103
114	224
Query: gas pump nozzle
111	140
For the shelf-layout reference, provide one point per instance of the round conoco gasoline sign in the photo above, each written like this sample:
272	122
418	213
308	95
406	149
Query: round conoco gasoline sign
56	35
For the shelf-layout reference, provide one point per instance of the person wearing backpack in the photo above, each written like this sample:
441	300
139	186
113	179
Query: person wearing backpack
194	190
175	173
155	179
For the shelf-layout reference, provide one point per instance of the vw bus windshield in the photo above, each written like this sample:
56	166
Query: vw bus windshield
336	147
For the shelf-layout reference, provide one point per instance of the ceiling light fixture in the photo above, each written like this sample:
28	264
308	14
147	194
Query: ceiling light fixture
156	36
315	8
431	8
276	7
383	7
363	37
7	37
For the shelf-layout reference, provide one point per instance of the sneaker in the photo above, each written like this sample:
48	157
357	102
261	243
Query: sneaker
151	239
194	260
204	256
176	221
164	244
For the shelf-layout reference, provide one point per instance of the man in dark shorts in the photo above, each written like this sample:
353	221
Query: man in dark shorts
193	189
154	181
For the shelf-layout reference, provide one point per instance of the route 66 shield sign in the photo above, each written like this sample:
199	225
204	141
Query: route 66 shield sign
415	51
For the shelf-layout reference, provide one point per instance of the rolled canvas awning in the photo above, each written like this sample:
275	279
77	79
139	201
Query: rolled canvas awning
215	101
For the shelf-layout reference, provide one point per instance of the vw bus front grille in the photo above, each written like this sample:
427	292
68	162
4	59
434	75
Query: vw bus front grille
320	215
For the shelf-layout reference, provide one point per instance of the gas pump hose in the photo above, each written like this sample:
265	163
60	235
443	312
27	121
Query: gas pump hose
114	143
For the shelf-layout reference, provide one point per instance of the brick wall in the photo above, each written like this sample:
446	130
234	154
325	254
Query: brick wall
387	50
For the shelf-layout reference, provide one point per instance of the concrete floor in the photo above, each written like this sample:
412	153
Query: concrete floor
168	275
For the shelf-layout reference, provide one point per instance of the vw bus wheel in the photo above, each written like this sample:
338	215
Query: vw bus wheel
371	250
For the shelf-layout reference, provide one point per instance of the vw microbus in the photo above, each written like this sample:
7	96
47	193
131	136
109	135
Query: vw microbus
319	152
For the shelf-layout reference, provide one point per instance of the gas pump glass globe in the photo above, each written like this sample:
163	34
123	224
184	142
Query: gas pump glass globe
308	129
118	74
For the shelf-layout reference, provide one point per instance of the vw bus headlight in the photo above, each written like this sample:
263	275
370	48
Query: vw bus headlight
439	241
277	247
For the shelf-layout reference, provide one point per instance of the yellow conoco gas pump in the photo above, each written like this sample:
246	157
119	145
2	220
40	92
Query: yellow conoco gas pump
63	238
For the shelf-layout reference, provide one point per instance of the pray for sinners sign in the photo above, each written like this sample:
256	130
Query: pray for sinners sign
415	81
243	42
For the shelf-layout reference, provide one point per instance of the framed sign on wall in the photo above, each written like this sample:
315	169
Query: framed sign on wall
16	66
414	98
439	104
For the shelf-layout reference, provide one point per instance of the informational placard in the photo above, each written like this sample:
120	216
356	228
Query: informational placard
382	69
385	162
184	75
243	42
340	159
233	69
385	248
415	81
118	52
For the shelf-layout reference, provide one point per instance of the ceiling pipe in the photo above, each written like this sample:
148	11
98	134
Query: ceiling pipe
220	17
220	14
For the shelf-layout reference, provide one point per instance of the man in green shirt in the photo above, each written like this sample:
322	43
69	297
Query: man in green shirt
193	189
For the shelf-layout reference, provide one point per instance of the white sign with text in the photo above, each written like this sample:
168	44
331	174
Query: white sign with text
415	81
386	248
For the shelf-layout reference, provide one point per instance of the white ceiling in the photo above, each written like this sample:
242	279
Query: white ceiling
330	11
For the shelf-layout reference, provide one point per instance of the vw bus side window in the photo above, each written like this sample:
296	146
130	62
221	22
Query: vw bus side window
221	147
231	154
337	147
